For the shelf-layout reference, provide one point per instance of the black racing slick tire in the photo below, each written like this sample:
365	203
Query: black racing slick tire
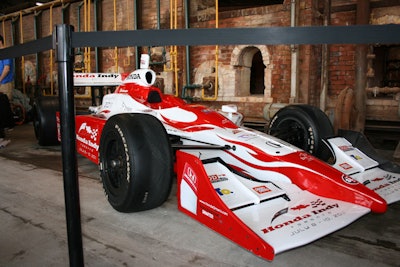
44	120
18	111
303	126
136	163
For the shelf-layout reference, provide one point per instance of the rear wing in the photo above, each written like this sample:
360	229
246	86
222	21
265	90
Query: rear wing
99	79
143	76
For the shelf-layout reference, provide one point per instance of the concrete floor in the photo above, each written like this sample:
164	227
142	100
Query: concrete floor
33	227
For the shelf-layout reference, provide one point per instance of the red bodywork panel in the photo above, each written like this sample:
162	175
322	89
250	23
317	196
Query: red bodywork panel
88	133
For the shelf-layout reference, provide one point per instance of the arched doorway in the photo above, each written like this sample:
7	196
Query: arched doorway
252	71
257	74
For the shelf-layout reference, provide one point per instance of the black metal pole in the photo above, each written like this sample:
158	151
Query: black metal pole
64	57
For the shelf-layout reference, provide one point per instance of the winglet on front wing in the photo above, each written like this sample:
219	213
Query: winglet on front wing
291	217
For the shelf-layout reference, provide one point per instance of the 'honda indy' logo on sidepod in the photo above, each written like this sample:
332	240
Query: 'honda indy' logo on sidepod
88	136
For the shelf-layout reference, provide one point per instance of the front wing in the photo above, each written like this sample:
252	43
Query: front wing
263	217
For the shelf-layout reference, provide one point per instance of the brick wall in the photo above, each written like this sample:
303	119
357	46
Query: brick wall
276	15
342	58
202	15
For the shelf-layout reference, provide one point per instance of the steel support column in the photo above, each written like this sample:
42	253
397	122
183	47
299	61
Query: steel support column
363	14
325	59
65	57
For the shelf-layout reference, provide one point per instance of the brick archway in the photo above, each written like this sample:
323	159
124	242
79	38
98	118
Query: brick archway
242	62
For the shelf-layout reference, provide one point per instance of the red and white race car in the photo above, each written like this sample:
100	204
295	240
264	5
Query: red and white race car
263	193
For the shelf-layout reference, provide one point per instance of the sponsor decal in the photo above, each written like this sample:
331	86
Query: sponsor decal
88	136
281	225
377	179
380	187
84	75
356	157
134	76
207	213
279	213
347	179
346	148
213	207
207	110
223	192
96	75
215	178
87	130
300	207
317	203
391	179
325	208
305	157
107	105
346	166
310	219
106	75
261	189
190	176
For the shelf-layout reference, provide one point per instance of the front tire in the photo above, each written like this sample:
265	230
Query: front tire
303	126
136	163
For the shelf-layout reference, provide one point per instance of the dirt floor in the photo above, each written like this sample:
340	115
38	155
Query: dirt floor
33	228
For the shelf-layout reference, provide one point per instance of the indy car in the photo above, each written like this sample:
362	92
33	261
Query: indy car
266	194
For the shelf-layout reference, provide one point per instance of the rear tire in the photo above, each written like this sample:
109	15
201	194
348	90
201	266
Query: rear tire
44	120
136	164
303	126
18	111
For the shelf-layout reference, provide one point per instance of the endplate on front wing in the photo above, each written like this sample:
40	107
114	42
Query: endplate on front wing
365	170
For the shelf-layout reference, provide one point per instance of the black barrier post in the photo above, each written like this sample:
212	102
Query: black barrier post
64	57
